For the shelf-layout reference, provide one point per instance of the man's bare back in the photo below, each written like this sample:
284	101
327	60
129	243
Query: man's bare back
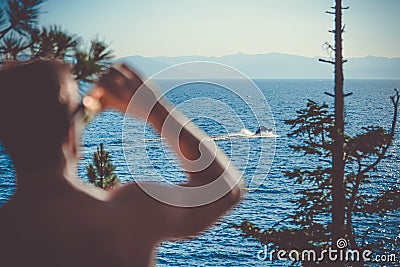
54	219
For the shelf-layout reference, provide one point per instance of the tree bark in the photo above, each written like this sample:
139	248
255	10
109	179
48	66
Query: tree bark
338	163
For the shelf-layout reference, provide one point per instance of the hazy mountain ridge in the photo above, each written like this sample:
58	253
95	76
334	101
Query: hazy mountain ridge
277	65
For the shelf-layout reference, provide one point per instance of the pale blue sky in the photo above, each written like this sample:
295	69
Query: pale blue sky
222	27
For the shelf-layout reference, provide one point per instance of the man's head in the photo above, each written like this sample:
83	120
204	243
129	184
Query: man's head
36	104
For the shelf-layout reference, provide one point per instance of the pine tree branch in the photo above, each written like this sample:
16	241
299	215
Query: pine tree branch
4	32
395	101
362	171
348	94
329	94
326	61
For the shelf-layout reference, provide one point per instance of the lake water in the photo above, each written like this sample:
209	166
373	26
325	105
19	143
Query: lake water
223	245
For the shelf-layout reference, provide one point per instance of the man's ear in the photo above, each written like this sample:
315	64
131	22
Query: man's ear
72	139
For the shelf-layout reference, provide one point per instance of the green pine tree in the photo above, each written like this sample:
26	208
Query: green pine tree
101	173
343	164
21	39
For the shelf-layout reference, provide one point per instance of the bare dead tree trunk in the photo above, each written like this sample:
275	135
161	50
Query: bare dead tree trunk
338	163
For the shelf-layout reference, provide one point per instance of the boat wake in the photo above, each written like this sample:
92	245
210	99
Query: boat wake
262	132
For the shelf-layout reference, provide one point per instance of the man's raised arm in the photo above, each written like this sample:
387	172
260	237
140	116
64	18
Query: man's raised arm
214	185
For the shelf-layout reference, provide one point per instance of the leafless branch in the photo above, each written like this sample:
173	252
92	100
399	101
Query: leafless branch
326	61
328	46
329	94
348	94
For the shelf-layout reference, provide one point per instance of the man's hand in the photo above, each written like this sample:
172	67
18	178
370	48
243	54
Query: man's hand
117	87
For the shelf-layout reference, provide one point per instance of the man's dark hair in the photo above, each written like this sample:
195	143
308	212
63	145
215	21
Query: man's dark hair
34	119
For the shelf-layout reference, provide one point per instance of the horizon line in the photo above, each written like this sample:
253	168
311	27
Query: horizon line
246	54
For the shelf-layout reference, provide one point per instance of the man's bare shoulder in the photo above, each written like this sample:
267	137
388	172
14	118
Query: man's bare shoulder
142	191
134	197
141	210
127	193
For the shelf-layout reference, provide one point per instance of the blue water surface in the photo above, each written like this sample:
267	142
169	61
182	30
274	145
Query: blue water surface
223	245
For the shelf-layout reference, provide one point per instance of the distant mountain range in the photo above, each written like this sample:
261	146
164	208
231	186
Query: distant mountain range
279	66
